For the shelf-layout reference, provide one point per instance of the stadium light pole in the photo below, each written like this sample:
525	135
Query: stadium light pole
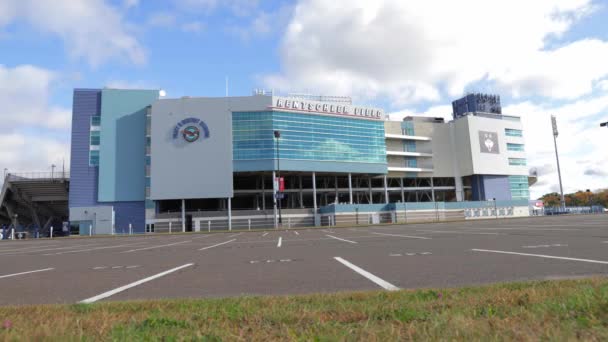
277	136
559	172
5	170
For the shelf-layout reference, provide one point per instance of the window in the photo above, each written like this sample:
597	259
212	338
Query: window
94	158
519	187
407	128
510	132
411	162
515	147
517	161
95	121
410	146
94	138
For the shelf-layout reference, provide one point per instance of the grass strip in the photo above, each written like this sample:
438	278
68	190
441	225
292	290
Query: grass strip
541	310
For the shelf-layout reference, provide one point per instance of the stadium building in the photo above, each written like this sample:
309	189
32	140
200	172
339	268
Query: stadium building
141	162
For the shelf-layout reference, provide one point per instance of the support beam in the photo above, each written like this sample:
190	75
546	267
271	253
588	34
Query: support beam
263	193
301	193
371	196
350	188
402	192
229	213
314	192
183	215
432	190
385	190
274	200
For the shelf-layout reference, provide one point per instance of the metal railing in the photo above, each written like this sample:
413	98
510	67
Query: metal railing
37	175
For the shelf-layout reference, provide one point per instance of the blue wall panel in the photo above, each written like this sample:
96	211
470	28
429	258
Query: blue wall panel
486	187
122	152
83	182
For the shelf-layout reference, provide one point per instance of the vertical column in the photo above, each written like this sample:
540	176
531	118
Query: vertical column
184	215
274	199
350	188
301	194
371	197
385	190
263	193
432	190
314	191
336	199
229	213
402	192
459	189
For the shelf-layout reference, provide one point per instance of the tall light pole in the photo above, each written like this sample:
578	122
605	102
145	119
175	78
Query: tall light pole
559	173
52	171
277	136
5	169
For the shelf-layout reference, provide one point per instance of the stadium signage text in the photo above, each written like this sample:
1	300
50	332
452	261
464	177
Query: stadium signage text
329	108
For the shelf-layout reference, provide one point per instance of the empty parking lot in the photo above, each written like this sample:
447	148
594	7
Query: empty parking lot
301	261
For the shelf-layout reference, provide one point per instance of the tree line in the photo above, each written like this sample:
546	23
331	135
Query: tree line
577	199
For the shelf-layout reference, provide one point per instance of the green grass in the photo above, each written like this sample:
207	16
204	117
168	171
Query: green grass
546	310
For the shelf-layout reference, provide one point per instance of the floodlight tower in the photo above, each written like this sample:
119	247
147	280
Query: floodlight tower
559	173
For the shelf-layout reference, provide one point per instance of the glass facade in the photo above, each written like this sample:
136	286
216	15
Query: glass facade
517	162
510	132
519	187
409	145
94	157
407	128
307	137
515	147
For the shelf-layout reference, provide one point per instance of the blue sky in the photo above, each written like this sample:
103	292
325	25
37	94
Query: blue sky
545	57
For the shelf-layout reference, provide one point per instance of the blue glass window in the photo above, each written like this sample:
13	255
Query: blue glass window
519	187
95	121
94	138
94	158
307	137
410	146
517	161
515	147
513	132
411	162
407	128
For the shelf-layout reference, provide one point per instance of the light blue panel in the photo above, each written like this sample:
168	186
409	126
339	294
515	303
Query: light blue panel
122	156
309	166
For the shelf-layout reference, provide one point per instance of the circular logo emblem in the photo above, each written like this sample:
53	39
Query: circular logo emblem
191	133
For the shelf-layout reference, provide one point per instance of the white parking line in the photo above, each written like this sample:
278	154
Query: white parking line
45	249
94	249
542	256
126	287
233	235
406	236
264	234
456	232
337	238
21	273
296	233
219	244
280	241
382	283
159	246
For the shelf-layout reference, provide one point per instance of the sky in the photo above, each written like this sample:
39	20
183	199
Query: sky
544	57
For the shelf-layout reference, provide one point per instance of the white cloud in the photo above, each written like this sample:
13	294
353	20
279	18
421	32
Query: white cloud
130	3
411	51
124	84
91	29
24	95
34	133
581	143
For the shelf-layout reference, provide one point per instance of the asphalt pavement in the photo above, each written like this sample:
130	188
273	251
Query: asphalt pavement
388	257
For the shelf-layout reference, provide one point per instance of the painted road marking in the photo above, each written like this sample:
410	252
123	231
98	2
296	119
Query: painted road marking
269	261
114	267
397	254
28	272
96	248
46	249
153	247
382	283
219	244
100	267
337	238
542	256
406	236
546	246
264	234
128	286
296	233
456	232
280	241
233	235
